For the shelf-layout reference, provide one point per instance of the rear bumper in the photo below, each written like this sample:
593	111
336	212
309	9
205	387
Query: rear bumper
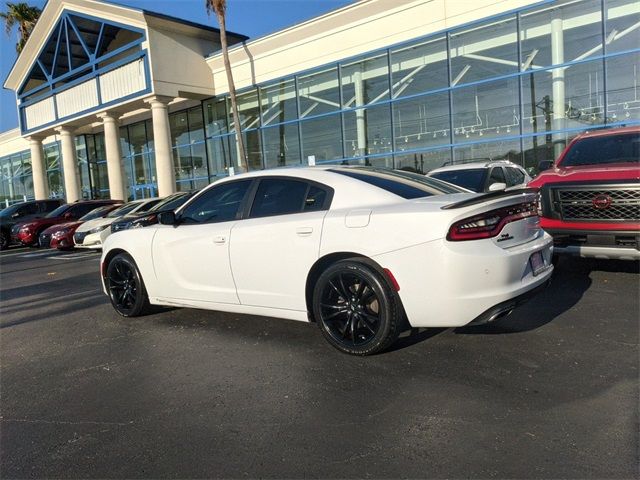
505	308
450	284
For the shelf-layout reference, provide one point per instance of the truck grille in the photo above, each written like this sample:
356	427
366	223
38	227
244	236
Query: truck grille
600	204
78	237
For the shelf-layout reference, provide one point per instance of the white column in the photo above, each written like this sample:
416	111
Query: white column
115	170
38	169
360	119
557	77
69	164
162	145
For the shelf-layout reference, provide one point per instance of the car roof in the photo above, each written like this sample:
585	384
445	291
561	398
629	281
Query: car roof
474	165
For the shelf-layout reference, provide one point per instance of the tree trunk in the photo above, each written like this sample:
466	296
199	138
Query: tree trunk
242	162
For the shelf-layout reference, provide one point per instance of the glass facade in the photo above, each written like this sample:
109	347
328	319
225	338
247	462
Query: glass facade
16	182
138	156
189	149
517	87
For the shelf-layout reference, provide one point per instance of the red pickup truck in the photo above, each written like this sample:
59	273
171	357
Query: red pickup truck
590	197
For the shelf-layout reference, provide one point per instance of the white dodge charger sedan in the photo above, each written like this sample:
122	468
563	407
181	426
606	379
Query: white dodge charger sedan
360	251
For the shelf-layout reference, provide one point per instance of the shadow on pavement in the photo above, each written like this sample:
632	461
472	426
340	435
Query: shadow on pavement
571	280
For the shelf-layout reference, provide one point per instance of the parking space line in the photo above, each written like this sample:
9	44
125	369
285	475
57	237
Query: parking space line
74	256
34	254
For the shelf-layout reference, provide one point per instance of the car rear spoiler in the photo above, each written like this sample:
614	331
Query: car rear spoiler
488	196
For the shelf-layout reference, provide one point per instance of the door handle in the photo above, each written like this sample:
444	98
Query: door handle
220	239
304	231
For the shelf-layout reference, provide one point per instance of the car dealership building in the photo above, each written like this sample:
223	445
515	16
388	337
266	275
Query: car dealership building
120	102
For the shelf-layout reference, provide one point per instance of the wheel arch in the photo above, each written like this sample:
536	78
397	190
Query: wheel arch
329	259
107	260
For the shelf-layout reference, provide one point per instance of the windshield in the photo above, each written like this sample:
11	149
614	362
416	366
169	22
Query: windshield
472	179
123	210
9	210
171	203
147	206
96	213
622	148
404	184
58	211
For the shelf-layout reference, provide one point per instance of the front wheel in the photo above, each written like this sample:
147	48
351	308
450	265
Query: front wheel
356	309
125	286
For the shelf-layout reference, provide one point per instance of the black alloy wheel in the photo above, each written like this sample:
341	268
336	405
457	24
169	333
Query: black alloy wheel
4	239
355	308
126	289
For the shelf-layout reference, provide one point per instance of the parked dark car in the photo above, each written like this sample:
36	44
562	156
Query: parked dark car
21	212
28	232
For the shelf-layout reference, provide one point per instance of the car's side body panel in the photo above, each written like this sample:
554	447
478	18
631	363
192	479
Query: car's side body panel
286	248
191	263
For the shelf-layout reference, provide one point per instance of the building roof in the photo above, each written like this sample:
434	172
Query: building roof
112	11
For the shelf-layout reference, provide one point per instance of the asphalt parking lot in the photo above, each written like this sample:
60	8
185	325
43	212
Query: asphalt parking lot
548	392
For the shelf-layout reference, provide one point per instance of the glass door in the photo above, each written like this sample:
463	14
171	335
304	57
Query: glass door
144	191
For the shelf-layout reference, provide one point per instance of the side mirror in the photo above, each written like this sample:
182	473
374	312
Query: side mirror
68	215
544	165
167	218
494	187
15	215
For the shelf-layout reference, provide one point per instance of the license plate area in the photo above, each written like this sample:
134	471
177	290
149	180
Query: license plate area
536	260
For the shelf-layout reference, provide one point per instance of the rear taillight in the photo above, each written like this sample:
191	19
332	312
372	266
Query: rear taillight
489	224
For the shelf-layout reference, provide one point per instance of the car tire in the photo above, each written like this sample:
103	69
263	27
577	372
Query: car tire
355	308
4	240
125	287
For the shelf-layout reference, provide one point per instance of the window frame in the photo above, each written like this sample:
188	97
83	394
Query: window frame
246	213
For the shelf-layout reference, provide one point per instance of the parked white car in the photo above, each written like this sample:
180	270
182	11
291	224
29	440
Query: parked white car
357	250
88	234
483	176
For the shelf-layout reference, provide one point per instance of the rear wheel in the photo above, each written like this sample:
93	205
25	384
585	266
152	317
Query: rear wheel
355	308
126	288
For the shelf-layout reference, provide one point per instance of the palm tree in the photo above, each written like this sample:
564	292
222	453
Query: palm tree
23	15
219	7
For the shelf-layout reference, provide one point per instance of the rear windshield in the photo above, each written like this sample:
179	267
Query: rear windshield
404	184
472	179
622	148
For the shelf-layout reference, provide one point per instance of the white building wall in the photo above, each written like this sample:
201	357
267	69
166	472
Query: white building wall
362	27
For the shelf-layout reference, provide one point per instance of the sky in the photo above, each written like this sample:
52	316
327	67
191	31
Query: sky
253	18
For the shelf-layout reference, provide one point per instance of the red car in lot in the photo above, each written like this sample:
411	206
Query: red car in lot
590	197
60	236
28	233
